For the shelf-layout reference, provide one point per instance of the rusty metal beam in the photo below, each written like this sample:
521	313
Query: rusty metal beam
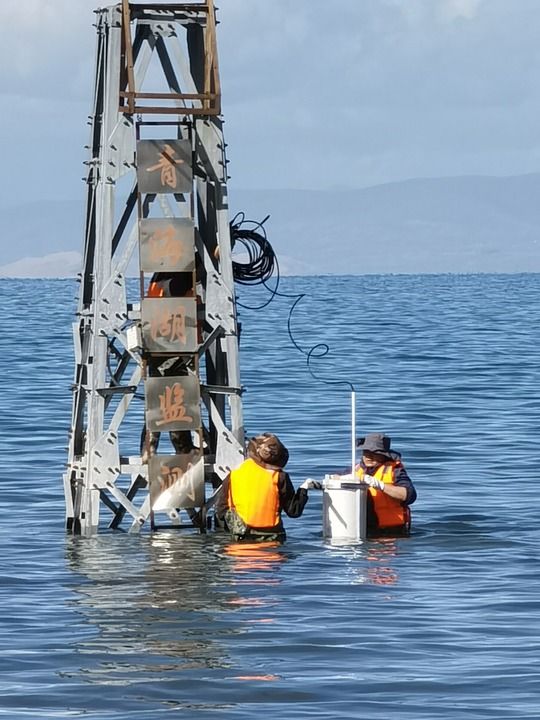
128	53
210	98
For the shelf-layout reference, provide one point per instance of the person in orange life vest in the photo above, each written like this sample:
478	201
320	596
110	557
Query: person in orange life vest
171	284
254	495
391	490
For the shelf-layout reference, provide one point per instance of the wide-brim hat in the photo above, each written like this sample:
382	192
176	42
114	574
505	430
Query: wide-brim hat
378	443
268	449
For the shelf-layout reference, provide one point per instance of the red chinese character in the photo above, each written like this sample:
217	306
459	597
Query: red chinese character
171	405
167	165
169	475
171	326
165	245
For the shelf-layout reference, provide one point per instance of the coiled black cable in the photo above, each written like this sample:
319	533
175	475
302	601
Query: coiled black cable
261	261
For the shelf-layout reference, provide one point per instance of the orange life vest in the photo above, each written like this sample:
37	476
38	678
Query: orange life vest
156	289
389	511
253	493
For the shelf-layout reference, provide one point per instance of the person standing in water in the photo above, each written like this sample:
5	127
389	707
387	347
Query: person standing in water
254	495
391	490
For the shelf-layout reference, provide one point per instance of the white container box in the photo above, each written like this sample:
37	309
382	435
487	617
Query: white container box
344	508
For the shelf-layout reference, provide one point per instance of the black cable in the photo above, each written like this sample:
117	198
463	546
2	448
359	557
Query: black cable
261	263
319	350
261	266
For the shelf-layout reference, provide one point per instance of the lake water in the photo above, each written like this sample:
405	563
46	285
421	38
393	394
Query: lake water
444	624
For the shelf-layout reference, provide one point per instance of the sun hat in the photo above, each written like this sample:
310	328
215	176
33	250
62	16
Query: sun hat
378	443
268	449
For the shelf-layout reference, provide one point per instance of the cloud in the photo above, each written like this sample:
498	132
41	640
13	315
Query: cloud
48	47
372	91
418	12
453	9
380	90
371	53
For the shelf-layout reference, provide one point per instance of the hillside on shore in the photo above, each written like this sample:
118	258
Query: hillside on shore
435	225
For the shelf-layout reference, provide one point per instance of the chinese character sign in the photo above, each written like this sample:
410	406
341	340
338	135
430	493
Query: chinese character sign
164	166
172	403
172	406
167	244
169	325
176	481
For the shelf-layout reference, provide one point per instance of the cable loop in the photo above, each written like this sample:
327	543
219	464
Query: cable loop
261	265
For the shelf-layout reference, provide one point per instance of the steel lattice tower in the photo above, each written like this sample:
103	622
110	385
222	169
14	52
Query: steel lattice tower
156	189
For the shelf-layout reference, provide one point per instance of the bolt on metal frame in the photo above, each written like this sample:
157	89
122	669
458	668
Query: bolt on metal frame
156	89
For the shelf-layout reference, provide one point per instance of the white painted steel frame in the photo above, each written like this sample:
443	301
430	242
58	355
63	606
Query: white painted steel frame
98	470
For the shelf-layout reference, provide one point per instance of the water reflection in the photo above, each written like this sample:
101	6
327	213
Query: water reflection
153	606
250	557
372	562
380	556
256	572
255	569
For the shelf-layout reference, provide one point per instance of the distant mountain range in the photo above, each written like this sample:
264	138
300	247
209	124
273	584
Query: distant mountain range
456	225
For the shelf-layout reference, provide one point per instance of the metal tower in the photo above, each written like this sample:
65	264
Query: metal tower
158	356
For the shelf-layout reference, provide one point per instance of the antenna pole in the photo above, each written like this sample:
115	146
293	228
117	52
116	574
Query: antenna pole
353	432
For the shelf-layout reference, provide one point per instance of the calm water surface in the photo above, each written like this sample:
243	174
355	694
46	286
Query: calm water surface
444	624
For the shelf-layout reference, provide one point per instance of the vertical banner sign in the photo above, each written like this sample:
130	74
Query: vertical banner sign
167	244
172	403
164	166
169	325
176	481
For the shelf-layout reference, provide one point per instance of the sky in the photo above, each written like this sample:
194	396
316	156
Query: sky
316	95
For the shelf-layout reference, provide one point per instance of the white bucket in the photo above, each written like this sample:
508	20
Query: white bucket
344	508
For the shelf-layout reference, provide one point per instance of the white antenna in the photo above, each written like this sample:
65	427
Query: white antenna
353	432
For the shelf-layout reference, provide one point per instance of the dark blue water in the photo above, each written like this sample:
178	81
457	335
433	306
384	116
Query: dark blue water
444	624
